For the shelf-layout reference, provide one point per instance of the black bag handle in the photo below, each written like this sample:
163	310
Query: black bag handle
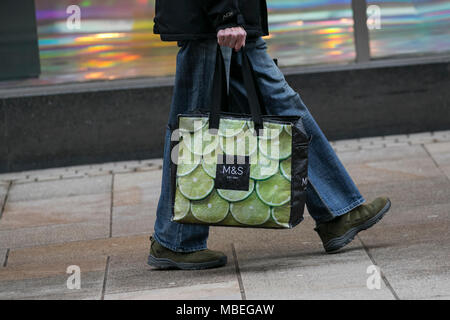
219	91
250	87
220	96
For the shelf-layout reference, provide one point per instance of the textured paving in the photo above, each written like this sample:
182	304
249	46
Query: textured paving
99	218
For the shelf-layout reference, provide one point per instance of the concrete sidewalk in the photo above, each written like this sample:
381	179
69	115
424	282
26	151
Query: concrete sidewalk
100	217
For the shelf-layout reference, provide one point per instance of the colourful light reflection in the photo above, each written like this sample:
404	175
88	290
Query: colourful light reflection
116	39
411	27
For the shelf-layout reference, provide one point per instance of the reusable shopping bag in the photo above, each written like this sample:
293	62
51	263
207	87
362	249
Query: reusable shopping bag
238	170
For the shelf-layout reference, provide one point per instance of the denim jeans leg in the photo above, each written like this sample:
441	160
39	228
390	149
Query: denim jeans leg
331	191
193	84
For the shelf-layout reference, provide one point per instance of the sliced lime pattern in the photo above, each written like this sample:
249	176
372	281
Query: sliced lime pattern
209	163
285	168
211	210
231	127
196	185
262	168
250	211
182	206
201	142
192	124
281	215
243	144
271	130
278	148
234	195
187	161
275	191
250	126
266	203
288	129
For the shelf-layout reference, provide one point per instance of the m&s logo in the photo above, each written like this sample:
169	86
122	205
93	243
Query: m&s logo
232	170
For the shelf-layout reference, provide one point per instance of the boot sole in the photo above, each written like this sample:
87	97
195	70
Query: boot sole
162	263
338	243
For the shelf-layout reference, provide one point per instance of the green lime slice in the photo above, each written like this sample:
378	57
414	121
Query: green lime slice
231	127
210	210
262	168
288	129
285	168
197	185
243	144
234	195
187	161
209	163
274	191
201	142
191	124
181	207
281	215
250	126
271	130
251	211
278	148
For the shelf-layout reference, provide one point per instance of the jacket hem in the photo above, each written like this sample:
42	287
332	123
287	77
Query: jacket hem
204	36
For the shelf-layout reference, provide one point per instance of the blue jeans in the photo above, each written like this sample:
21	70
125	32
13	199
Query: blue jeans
330	192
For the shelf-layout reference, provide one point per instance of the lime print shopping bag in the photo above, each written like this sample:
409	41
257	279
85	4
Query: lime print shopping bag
239	170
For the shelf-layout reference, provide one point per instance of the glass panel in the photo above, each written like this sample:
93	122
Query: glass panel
411	27
115	41
311	32
116	38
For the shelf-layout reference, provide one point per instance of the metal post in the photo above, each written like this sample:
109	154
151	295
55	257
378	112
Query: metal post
362	45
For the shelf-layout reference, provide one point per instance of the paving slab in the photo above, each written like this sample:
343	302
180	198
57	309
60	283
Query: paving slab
40	272
26	237
411	244
135	201
441	154
291	264
3	257
420	209
56	211
416	193
415	270
3	192
48	280
389	164
130	273
60	188
209	291
66	252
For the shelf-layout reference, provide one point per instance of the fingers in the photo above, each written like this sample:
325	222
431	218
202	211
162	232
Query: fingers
232	37
221	37
241	40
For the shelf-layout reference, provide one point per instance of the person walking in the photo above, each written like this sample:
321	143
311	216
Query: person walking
333	200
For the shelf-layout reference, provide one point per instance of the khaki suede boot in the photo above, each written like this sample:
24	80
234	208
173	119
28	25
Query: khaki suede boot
340	231
162	258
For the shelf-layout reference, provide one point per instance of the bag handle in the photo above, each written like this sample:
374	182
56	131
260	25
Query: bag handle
220	95
250	87
219	91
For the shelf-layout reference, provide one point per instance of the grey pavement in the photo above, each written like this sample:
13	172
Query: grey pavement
99	218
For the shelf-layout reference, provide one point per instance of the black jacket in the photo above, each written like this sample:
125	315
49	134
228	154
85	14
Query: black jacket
201	19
